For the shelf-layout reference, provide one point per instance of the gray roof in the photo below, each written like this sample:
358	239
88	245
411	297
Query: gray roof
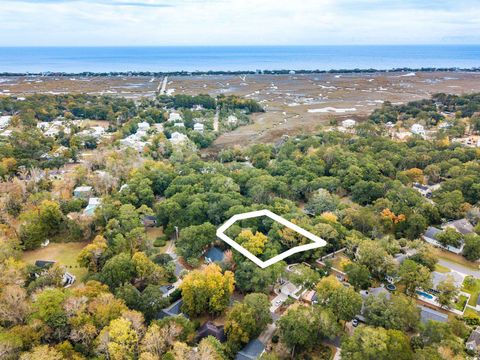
427	314
431	232
251	351
438	277
463	226
474	337
375	292
172	310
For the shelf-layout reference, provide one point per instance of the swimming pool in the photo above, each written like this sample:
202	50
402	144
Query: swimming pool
424	294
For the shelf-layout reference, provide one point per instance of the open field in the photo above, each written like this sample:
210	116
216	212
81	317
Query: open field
294	104
63	253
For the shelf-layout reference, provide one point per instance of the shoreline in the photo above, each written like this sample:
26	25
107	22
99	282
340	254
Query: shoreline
241	72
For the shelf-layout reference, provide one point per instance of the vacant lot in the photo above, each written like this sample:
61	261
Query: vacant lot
65	254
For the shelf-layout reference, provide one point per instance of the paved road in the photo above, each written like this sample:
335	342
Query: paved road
162	87
459	268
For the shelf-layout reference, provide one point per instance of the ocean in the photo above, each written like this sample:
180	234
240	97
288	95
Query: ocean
234	58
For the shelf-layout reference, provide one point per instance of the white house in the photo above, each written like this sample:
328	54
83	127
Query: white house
174	117
232	119
198	127
4	121
349	123
418	129
178	138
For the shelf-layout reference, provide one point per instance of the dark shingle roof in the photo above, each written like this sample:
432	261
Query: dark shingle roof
172	310
44	263
210	329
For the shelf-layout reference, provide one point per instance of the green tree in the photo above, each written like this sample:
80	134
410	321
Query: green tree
358	275
471	250
447	291
450	237
118	270
194	240
344	302
392	312
414	276
368	343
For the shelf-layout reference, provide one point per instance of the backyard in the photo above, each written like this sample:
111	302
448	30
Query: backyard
63	253
471	286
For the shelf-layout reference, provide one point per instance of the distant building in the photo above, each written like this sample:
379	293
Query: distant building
83	192
423	190
174	117
253	350
349	123
198	127
93	203
4	121
178	138
418	129
149	221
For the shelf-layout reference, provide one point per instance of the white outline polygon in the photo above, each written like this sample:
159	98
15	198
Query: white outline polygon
317	241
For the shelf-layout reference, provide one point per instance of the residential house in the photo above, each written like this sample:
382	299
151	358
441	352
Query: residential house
149	221
178	138
253	350
430	237
173	310
4	121
418	129
424	190
291	290
427	314
438	277
93	203
371	292
349	123
232	119
310	297
214	255
83	192
463	226
174	117
210	329
67	278
198	127
473	342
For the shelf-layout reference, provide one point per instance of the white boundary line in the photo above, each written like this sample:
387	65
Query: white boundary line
317	241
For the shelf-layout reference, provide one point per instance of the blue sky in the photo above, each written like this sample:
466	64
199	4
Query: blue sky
237	22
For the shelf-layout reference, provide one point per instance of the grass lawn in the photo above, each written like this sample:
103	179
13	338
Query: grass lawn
441	269
470	312
460	303
63	253
152	234
458	259
473	290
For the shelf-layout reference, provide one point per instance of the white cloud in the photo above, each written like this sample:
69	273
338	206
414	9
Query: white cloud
228	22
